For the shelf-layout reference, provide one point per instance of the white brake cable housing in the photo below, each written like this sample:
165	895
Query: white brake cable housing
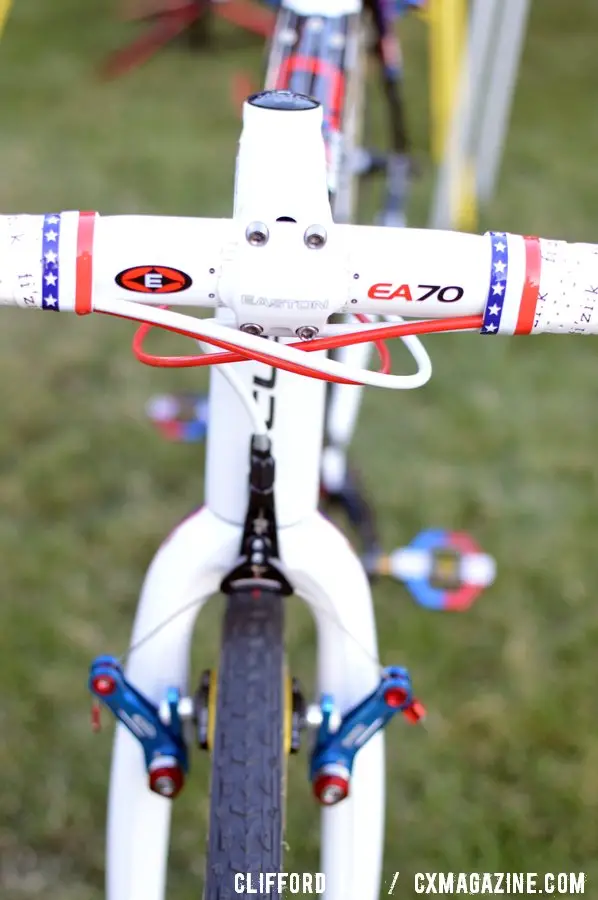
414	346
205	329
258	423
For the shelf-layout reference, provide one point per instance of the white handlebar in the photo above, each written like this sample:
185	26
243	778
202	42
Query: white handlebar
282	266
76	261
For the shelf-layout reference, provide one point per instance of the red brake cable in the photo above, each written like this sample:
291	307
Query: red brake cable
377	335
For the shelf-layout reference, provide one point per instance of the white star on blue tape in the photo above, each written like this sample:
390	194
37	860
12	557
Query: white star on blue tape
50	262
499	271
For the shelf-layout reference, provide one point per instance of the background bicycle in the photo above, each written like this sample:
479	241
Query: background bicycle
498	442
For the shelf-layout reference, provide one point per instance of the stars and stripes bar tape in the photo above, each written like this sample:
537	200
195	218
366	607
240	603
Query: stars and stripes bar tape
50	262
499	272
62	291
515	269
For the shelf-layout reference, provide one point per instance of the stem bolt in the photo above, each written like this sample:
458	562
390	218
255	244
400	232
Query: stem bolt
307	332
257	234
315	237
249	328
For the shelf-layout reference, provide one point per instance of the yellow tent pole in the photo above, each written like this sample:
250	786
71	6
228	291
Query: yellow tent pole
465	201
447	21
448	25
4	11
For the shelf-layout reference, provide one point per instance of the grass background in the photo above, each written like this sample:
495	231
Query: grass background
503	442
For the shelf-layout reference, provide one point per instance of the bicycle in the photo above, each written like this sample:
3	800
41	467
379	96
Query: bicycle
169	20
323	51
276	271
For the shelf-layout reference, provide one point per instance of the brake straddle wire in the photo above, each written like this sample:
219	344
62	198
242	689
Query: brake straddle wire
333	342
184	362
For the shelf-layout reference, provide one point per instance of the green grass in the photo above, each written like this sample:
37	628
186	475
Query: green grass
503	442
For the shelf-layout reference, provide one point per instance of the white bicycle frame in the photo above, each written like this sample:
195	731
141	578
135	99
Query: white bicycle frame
344	401
186	571
550	287
324	571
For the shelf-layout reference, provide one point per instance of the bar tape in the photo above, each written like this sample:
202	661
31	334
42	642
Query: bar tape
514	289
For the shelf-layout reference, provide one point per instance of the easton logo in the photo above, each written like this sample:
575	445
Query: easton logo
153	280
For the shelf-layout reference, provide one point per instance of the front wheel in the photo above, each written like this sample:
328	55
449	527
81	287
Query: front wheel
248	748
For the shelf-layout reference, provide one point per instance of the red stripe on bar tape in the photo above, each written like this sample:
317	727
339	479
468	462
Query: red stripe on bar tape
84	273
531	288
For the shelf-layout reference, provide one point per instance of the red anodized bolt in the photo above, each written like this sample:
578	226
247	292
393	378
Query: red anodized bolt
330	788
166	777
104	684
395	696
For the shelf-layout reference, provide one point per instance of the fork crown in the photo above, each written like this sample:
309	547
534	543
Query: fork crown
138	714
339	747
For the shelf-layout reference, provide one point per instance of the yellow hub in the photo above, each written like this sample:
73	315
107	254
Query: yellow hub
212	697
288	712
